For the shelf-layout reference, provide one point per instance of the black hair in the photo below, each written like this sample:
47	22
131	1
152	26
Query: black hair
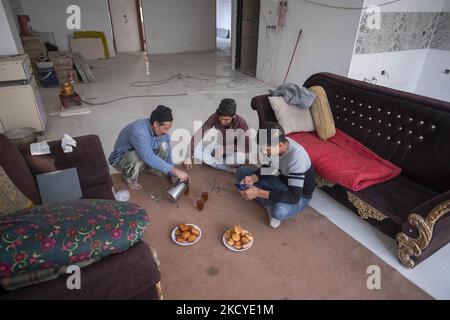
161	114
271	133
227	108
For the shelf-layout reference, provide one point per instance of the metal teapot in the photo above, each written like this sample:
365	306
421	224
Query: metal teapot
177	190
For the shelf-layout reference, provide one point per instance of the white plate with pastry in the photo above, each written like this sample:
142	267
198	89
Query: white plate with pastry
186	234
237	239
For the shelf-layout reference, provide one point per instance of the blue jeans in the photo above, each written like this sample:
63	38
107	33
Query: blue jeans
277	210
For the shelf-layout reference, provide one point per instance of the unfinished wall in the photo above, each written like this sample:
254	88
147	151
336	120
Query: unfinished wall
433	80
180	26
412	45
408	5
51	16
326	43
9	35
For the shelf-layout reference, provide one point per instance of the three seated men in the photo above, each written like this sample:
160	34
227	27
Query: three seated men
284	190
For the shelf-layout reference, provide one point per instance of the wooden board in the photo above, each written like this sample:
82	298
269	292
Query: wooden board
83	68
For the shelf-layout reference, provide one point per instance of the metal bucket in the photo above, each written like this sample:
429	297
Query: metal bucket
22	136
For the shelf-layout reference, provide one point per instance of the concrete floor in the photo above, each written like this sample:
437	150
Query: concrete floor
307	257
114	78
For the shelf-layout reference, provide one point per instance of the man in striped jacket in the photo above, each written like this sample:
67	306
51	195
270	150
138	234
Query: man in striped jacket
288	193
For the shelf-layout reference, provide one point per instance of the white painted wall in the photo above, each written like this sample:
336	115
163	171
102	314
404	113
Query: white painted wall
180	26
326	43
446	6
51	16
9	35
223	14
404	68
433	82
16	8
409	5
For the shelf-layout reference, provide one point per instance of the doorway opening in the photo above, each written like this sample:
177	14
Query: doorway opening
223	28
247	30
127	21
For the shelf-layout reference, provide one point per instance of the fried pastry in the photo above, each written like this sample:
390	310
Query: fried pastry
236	237
195	232
180	240
185	235
191	238
183	227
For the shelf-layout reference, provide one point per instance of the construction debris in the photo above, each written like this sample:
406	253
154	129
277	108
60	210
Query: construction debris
34	47
63	64
83	68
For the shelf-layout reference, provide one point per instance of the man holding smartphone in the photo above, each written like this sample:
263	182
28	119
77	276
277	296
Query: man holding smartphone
287	194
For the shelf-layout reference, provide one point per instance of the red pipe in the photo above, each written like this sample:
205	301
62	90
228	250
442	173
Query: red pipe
292	57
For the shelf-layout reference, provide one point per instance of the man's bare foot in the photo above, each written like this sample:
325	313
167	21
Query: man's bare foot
135	186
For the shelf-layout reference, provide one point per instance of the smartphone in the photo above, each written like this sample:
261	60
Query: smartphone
241	186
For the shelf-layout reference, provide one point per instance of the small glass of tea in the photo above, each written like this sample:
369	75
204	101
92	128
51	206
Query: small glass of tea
205	195
199	204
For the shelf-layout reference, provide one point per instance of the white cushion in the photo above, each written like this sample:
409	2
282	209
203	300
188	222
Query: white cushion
290	117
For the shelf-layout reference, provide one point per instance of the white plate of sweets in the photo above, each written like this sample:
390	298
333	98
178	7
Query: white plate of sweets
186	234
237	239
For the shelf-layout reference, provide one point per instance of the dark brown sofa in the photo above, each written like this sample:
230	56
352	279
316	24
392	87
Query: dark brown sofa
409	130
133	274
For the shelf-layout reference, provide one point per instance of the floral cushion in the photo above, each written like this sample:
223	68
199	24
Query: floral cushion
69	232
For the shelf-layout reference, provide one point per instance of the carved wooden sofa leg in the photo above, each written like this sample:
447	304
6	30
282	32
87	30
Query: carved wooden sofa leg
159	290
158	263
409	247
365	210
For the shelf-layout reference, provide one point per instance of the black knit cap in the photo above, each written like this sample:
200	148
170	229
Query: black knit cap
161	114
227	108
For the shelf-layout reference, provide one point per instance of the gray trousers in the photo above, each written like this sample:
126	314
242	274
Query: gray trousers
131	165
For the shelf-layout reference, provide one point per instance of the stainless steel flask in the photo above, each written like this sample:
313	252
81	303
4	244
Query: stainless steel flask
177	190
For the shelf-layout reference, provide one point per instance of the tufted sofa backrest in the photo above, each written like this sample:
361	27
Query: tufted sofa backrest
409	130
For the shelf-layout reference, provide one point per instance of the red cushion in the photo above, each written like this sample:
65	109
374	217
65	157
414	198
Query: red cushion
344	160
